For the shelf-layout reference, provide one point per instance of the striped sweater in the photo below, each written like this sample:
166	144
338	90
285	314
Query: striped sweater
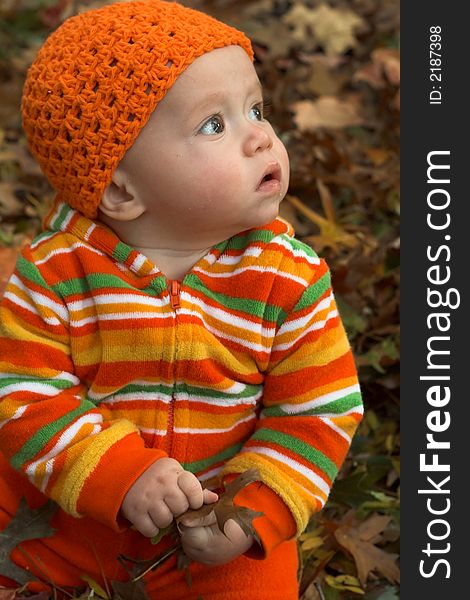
105	366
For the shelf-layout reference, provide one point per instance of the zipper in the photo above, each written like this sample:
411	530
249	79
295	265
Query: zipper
175	290
171	422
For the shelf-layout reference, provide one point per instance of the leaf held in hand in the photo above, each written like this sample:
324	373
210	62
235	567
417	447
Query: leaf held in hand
225	509
162	533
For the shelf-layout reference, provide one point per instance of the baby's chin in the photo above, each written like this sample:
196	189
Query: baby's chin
269	211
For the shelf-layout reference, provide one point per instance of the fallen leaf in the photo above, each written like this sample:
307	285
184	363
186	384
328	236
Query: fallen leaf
10	93
332	28
55	14
326	200
273	34
311	543
380	355
288	213
10	205
326	112
300	20
370	73
346	583
27	524
311	593
396	101
321	79
367	556
378	156
8	257
95	587
388	593
129	590
374	525
352	319
28	164
331	234
389	60
384	68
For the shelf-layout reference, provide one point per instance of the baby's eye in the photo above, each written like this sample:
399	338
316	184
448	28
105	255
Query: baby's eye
213	126
257	112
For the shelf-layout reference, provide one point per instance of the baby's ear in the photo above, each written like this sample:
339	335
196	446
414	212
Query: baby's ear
118	200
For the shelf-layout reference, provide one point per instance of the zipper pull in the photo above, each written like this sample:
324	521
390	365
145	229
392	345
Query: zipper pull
175	288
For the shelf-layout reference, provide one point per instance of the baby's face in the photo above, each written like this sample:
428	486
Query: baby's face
207	163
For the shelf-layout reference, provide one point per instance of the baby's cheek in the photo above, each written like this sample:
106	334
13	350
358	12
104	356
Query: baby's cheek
216	182
283	157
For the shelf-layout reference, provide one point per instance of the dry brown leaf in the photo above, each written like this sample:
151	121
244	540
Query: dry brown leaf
28	164
288	212
389	60
10	93
331	234
8	258
326	200
378	156
328	112
225	509
10	205
346	583
322	80
371	74
367	556
384	68
259	8
333	29
27	524
311	593
273	34
396	101
134	589
301	19
374	525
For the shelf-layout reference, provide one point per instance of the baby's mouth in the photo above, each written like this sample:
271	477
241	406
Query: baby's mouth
271	178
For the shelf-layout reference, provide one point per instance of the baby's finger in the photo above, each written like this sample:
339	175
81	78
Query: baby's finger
191	487
177	503
196	538
210	497
204	521
146	526
161	516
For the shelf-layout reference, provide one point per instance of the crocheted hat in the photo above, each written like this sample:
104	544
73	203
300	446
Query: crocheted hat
96	81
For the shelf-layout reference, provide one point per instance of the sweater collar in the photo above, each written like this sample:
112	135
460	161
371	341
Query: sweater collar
63	218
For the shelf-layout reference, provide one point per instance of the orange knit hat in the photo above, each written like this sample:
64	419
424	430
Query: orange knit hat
96	81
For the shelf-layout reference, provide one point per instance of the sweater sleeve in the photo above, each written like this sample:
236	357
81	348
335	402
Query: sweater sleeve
311	408
50	430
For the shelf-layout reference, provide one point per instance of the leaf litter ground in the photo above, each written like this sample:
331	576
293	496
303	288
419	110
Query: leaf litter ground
332	73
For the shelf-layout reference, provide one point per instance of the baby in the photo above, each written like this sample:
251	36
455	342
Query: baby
166	330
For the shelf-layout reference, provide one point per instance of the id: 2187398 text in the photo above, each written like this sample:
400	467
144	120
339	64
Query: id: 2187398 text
435	64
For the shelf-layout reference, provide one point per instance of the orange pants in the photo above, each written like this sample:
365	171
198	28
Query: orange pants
85	547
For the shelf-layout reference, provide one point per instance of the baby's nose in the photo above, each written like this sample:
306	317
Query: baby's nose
257	139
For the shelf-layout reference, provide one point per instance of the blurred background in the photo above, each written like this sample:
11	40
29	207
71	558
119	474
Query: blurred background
331	74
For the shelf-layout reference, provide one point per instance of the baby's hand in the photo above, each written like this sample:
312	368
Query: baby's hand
163	491
203	541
